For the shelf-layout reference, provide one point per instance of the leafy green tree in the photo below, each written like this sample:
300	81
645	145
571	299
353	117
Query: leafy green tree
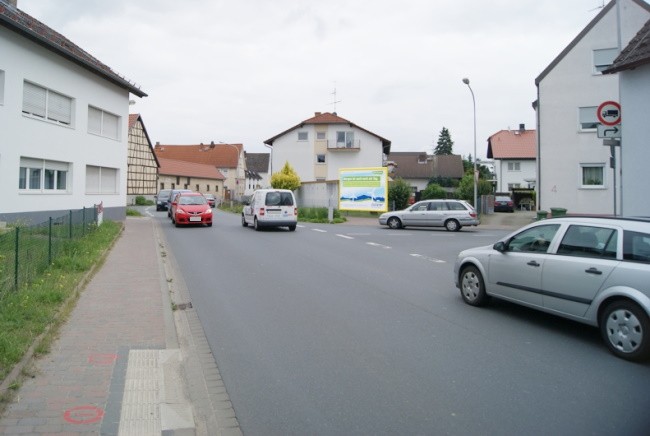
286	178
445	144
399	192
466	188
433	191
446	182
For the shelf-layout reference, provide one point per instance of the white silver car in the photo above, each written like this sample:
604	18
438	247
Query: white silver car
450	214
588	269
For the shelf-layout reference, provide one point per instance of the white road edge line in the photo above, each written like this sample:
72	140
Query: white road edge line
374	244
430	259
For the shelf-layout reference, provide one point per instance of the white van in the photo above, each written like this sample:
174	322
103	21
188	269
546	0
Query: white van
271	208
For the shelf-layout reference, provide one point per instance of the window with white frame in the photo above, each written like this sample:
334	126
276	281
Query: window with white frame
321	135
603	58
587	118
512	186
514	166
345	139
103	123
302	136
101	180
320	158
38	175
2	87
593	175
40	102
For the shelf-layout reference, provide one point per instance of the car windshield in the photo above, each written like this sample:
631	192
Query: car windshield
193	199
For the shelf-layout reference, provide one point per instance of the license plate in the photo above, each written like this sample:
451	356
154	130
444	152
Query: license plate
195	218
274	212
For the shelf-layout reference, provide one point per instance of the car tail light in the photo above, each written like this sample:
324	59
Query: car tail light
295	211
261	211
472	214
510	203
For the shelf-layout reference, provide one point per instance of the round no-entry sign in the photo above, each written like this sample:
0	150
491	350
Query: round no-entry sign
609	113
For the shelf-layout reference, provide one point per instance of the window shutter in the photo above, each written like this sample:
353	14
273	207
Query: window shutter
33	99
94	120
59	108
108	180
110	126
92	179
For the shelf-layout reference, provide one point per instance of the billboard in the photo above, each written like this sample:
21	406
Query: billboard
364	189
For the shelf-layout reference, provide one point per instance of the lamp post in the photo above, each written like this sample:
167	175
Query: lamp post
466	82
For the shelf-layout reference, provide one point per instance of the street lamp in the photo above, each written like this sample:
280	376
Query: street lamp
466	82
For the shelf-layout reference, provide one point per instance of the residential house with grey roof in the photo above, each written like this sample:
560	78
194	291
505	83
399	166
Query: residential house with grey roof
514	153
229	159
64	117
574	169
417	168
258	171
633	68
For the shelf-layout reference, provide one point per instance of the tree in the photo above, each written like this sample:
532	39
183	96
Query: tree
433	191
445	144
286	178
399	192
466	188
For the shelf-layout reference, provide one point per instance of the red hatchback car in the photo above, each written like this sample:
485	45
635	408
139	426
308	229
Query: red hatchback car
191	208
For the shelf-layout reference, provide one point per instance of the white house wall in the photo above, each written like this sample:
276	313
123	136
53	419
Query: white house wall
563	148
24	136
527	171
635	110
302	157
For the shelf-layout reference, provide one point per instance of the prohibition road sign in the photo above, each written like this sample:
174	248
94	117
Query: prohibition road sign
609	113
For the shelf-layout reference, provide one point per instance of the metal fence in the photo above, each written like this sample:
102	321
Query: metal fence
27	251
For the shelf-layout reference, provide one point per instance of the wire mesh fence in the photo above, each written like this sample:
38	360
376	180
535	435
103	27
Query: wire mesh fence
27	251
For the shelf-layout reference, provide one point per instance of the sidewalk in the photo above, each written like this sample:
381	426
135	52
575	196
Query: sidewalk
118	365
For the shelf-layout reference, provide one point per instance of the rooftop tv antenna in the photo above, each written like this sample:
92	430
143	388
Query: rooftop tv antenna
598	7
335	100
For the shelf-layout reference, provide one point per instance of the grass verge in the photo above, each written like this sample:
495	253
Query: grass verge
30	316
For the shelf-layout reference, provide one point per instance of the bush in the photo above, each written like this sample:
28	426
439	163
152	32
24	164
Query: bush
142	201
317	215
399	192
433	191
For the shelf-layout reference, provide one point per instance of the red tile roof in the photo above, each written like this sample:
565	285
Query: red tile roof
513	144
171	167
29	27
217	155
330	118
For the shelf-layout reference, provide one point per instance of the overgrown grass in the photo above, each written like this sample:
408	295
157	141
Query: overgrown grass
28	312
132	212
319	215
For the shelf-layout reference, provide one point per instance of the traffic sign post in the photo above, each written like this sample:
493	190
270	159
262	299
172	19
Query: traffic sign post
609	116
609	113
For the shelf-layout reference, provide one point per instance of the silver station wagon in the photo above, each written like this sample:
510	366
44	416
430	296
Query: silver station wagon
450	214
588	269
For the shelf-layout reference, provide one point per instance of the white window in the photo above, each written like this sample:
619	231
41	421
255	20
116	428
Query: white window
603	58
593	175
587	118
101	180
103	123
37	175
514	166
345	139
2	87
512	186
46	104
321	135
302	136
320	158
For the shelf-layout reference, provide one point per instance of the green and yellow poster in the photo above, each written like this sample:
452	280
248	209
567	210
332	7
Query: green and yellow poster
363	189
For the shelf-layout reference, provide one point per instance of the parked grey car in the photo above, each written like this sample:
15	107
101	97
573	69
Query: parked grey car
588	269
450	214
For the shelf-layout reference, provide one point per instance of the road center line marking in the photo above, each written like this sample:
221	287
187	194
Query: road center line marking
430	259
320	230
374	244
344	236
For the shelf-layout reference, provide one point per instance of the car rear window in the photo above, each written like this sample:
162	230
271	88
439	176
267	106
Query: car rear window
453	205
279	199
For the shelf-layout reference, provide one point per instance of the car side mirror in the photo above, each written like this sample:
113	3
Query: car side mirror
500	246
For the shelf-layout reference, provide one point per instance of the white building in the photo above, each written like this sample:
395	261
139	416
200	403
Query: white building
514	153
573	165
64	118
319	146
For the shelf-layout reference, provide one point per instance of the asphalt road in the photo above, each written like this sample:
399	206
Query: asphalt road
340	329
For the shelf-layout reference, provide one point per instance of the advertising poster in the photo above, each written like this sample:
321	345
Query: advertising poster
364	189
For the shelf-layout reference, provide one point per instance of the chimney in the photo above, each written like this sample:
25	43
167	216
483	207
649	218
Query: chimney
157	143
522	128
316	113
13	3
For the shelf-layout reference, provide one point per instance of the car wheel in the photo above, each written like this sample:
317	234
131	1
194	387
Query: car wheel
452	225
394	222
243	221
472	287
176	223
209	224
256	225
292	228
625	328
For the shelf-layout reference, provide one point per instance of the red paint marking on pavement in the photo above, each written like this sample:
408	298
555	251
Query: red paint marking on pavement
102	359
83	415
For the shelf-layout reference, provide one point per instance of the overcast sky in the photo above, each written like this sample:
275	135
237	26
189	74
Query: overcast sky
243	71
